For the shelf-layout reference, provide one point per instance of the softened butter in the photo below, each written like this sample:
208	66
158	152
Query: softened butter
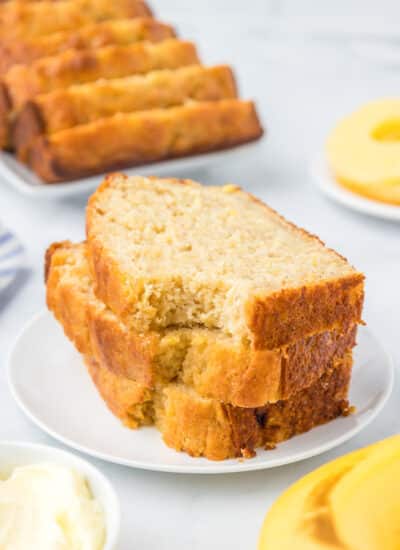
49	507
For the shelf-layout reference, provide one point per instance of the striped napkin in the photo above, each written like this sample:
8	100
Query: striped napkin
11	256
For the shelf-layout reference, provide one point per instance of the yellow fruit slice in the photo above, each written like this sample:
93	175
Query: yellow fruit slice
365	503
363	151
300	518
316	512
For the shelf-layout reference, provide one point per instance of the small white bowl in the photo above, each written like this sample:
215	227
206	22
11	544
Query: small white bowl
13	454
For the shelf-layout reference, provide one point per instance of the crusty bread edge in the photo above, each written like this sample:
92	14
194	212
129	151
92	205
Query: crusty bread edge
27	126
5	111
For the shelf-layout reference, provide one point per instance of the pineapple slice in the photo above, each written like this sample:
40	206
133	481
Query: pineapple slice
363	151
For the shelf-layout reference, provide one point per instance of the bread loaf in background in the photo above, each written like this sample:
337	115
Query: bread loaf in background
24	82
23	20
76	105
133	139
95	35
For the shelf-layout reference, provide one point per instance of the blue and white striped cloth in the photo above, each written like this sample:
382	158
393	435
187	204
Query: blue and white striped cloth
11	256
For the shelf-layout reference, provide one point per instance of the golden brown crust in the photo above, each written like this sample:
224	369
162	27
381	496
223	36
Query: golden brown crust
127	354
127	400
247	377
34	19
109	284
215	368
92	36
29	123
204	427
62	109
79	66
63	300
5	106
325	399
94	332
51	253
140	138
199	427
289	314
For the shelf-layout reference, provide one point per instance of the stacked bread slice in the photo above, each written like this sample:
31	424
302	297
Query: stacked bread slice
204	312
91	85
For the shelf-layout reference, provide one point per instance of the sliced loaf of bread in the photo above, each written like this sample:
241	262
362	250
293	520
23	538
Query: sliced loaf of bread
72	67
173	253
85	103
210	362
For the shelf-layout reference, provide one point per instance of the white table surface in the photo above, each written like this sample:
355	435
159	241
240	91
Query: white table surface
302	83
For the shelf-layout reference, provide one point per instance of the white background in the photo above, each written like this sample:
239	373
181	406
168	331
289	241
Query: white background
299	61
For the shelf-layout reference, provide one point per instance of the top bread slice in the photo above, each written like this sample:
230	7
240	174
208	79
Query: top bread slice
173	253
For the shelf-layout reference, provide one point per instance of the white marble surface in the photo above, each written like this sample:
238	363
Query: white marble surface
298	61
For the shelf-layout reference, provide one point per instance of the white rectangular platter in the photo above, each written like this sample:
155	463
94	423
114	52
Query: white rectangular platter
25	181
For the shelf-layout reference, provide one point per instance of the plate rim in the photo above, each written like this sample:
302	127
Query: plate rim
215	467
326	183
90	183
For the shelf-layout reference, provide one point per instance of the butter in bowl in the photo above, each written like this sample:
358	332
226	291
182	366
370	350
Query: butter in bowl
51	499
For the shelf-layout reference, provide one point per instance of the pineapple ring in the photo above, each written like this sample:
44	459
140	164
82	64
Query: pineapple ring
363	151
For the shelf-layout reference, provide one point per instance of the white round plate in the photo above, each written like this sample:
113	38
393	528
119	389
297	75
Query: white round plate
11	256
324	179
19	176
51	385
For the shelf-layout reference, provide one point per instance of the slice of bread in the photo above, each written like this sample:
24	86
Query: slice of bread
95	35
24	82
133	139
210	362
33	19
62	109
206	427
173	253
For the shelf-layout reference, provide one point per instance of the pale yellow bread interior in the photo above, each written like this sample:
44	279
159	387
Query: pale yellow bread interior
183	254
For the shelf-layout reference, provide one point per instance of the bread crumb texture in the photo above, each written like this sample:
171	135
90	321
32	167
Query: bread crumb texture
207	360
169	252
